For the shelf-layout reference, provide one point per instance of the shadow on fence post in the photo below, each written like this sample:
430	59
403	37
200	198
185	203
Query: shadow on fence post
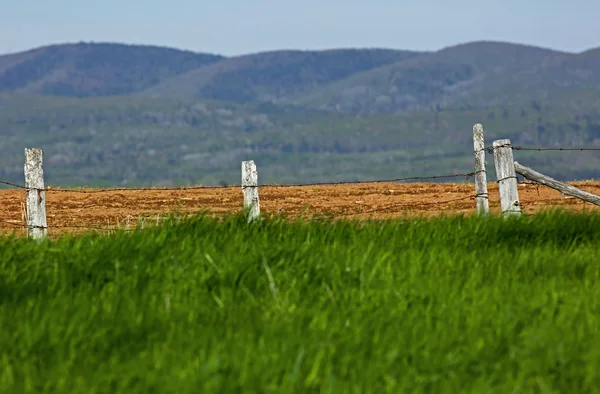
250	190
507	178
36	196
481	192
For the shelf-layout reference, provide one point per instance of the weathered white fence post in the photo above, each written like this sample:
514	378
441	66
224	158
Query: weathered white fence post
36	195
481	192
507	178
250	189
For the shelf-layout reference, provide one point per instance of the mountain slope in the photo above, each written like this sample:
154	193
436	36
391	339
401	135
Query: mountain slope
571	82
580	71
90	69
276	75
422	82
359	81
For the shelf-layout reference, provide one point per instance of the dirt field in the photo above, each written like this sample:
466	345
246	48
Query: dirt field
79	210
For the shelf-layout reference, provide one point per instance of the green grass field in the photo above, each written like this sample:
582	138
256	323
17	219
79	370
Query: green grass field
446	305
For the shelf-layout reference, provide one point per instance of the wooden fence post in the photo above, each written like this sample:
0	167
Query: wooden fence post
481	192
250	189
507	178
36	195
562	187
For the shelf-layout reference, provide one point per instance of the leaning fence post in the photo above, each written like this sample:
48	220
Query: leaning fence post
481	192
36	196
507	178
250	189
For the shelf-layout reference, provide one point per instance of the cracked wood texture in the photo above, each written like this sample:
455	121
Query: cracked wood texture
250	189
507	178
36	196
556	185
481	192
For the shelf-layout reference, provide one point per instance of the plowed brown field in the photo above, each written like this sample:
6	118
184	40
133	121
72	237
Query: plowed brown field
78	210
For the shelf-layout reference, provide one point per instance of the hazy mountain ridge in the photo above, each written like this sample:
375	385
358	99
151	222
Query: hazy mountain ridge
89	69
275	75
475	74
434	80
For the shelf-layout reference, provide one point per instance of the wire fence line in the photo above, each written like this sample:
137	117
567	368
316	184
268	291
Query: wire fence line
101	190
556	149
183	188
491	149
200	187
20	224
388	208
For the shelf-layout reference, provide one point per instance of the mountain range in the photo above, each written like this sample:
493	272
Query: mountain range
287	104
351	80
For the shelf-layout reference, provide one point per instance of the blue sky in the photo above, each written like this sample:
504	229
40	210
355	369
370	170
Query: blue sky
233	27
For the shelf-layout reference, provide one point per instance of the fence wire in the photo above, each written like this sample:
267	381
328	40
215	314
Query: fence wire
555	149
391	209
200	187
491	149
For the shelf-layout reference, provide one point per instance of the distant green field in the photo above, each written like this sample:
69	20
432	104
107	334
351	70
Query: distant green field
446	305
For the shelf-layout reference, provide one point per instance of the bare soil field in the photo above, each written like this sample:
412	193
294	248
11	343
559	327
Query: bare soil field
77	210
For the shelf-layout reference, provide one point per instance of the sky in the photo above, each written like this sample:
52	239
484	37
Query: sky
234	27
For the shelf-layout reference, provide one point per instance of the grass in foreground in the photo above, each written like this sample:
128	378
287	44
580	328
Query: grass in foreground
443	305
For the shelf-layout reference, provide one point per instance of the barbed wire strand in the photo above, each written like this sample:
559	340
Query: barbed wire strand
467	175
52	189
200	187
555	149
490	149
394	207
414	178
389	209
90	191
